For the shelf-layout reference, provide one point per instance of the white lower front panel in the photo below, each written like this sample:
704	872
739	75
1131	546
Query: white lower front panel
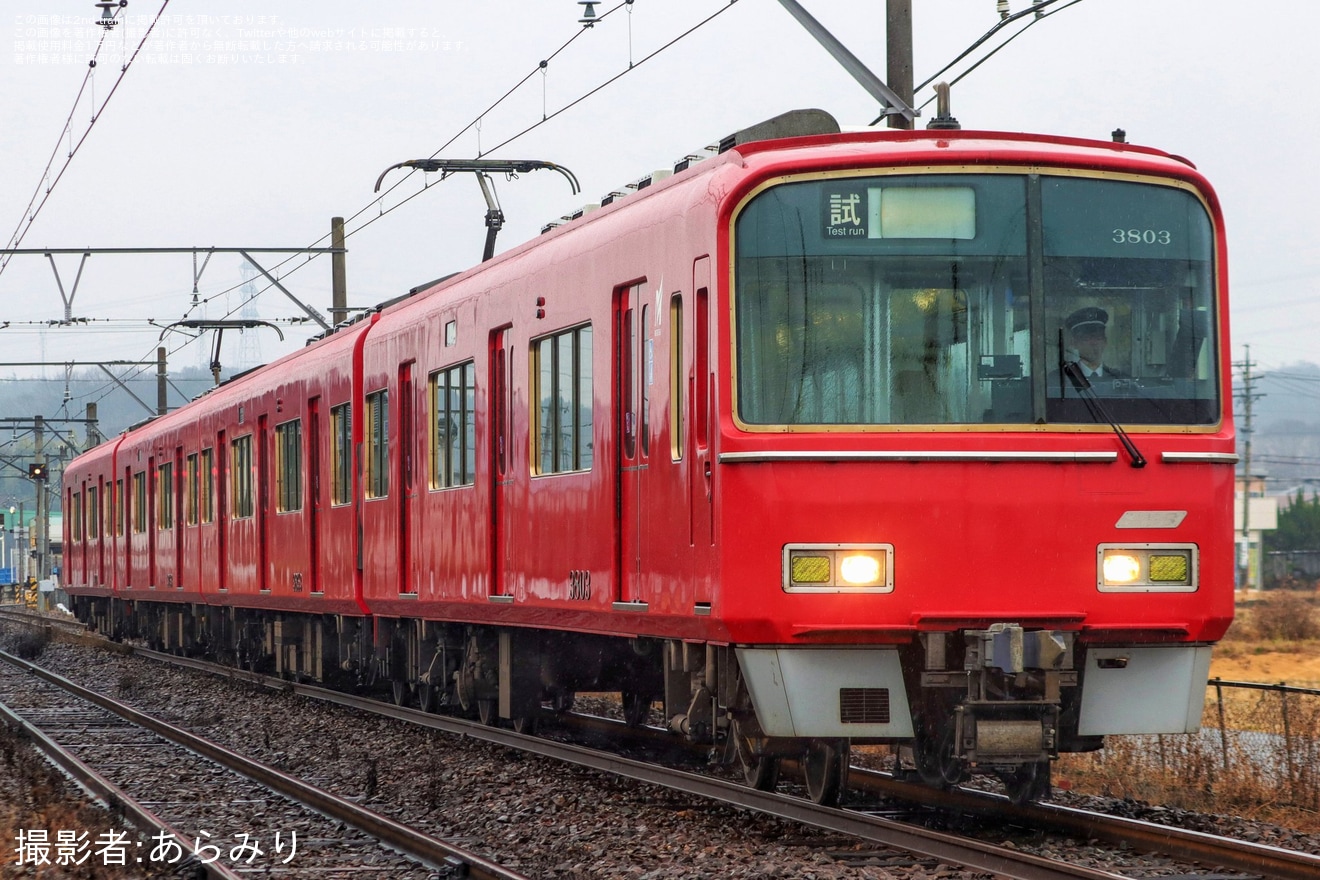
827	692
1144	690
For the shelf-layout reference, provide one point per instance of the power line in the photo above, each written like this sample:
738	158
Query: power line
540	67
546	117
15	238
1038	13
29	213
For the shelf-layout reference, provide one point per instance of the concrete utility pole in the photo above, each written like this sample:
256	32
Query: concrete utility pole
162	383
891	102
93	432
898	54
1247	395
20	549
338	274
43	506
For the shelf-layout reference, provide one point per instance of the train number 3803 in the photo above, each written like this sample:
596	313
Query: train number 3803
579	584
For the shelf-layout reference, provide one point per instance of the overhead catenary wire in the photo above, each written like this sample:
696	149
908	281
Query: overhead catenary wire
30	213
474	124
65	131
148	363
1037	11
471	125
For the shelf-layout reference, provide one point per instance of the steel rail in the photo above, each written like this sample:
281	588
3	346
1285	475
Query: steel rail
948	848
1239	855
24	616
1245	856
114	797
424	848
1268	861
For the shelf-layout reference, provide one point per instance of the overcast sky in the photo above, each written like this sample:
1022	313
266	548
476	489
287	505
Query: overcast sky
251	124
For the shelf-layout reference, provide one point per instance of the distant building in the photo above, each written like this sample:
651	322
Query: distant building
1253	513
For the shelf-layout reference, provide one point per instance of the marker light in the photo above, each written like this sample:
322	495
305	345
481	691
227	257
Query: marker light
1168	569
811	569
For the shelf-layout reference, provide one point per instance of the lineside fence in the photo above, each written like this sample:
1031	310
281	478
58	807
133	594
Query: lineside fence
1269	731
1284	566
1259	745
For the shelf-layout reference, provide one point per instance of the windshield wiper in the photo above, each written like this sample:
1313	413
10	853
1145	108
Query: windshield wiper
1099	411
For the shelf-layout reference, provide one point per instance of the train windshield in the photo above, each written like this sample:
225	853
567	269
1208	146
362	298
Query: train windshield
944	299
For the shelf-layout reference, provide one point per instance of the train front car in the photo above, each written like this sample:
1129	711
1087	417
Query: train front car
975	478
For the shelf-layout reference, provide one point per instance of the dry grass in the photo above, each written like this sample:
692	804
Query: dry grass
28	644
1280	616
34	797
1267	764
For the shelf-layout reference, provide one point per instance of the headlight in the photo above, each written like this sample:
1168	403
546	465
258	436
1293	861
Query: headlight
838	568
1147	568
860	569
1121	568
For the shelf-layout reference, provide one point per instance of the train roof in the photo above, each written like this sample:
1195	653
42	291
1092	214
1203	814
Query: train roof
794	139
811	136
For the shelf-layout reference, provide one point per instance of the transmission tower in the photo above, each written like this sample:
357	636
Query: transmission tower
249	347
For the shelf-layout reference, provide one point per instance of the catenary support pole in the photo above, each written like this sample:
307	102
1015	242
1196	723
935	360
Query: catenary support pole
338	274
162	383
898	54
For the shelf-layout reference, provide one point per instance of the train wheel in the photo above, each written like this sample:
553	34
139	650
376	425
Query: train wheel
935	761
635	708
562	700
428	697
526	725
759	771
825	768
488	712
1027	783
399	691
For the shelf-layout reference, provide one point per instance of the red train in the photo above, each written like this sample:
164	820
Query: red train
797	440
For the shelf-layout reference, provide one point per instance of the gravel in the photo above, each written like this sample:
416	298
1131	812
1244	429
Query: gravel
546	819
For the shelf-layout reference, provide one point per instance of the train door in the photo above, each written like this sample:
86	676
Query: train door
102	533
262	454
75	554
122	532
222	509
501	548
314	491
700	474
178	516
633	359
407	489
133	578
149	517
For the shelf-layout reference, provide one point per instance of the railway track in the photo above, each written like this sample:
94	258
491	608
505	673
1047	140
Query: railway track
1254	859
24	616
1246	858
181	791
1239	855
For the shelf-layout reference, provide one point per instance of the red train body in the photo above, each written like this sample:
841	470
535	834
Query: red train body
789	439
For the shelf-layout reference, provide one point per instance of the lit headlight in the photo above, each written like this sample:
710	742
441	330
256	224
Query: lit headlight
1121	568
836	568
1147	568
860	569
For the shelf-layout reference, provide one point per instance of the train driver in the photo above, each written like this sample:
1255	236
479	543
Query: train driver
1087	338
